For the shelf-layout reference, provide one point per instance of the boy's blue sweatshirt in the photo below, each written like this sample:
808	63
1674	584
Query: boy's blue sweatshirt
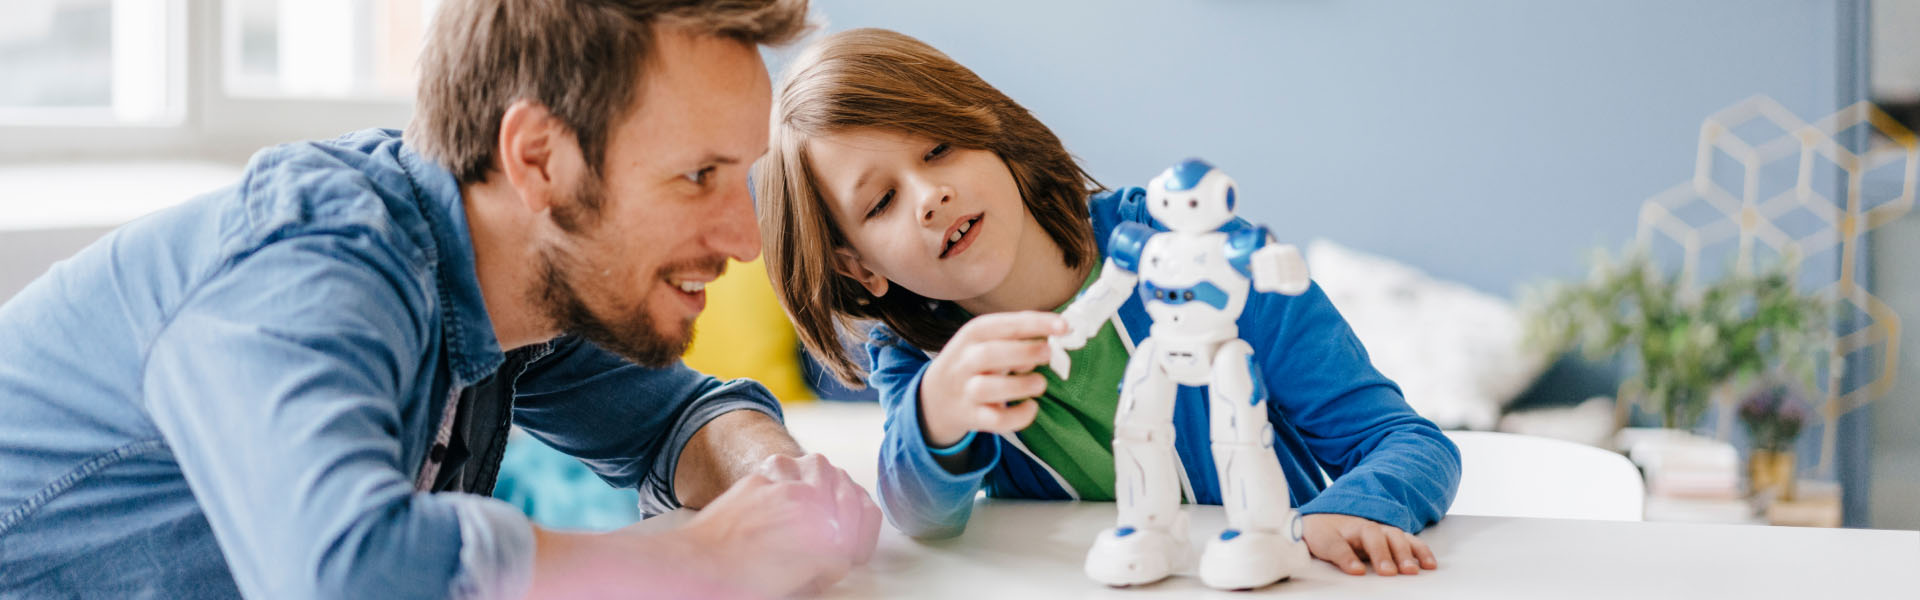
1334	416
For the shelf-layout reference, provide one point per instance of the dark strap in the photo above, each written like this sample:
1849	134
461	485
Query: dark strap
471	460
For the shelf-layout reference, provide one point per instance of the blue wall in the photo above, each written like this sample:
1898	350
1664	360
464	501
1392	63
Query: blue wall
1492	143
1488	142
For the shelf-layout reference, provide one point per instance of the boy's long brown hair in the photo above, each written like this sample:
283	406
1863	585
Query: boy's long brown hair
885	79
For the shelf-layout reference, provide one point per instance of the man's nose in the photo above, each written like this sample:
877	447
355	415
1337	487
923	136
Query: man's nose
736	233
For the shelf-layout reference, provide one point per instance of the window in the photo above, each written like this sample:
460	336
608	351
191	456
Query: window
334	49
82	62
200	79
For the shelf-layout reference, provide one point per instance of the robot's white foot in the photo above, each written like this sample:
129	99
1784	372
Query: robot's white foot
1127	555
1239	560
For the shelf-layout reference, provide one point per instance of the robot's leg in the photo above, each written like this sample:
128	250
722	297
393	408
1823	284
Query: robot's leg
1149	540
1262	542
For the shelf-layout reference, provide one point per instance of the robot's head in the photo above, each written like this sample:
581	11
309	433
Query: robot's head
1191	197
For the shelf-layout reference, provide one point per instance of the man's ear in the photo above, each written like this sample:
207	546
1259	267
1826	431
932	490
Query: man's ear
848	264
535	148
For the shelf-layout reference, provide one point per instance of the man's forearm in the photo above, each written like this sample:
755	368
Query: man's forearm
726	449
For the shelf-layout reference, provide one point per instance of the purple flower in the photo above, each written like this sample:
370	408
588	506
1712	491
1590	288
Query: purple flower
1773	417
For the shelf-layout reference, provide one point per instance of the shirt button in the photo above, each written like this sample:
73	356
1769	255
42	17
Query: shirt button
438	453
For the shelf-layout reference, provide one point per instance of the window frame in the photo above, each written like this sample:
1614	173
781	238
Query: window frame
208	122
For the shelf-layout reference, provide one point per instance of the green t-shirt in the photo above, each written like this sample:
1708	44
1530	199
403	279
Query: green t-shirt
1073	433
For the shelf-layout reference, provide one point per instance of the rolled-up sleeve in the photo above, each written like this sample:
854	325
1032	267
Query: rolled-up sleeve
627	422
282	405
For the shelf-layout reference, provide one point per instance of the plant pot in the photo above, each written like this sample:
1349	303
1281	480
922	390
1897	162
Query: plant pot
1770	473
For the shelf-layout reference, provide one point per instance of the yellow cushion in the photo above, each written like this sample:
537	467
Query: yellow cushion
744	333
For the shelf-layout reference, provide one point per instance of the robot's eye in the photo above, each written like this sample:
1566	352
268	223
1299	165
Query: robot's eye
1165	203
1193	204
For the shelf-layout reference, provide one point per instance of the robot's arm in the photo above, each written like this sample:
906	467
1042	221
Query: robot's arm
1087	312
1098	302
1117	280
1273	267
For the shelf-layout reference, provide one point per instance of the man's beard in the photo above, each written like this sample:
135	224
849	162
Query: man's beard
633	335
632	332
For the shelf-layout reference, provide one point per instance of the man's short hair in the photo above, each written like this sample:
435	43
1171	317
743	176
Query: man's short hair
581	59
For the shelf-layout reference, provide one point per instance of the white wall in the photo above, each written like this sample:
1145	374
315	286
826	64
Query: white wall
51	210
1895	469
1896	50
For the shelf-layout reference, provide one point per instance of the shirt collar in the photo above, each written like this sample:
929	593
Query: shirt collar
473	351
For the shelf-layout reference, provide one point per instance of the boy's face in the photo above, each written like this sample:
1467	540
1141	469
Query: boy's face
673	202
942	221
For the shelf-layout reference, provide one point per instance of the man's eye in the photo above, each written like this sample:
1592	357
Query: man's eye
937	152
699	177
878	207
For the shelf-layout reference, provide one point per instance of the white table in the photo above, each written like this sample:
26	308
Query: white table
1030	549
1020	549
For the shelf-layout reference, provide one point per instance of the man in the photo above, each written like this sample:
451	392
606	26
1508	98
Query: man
298	386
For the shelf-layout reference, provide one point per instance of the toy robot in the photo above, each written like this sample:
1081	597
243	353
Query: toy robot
1194	279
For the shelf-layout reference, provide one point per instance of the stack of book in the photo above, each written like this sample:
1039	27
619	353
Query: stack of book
1689	477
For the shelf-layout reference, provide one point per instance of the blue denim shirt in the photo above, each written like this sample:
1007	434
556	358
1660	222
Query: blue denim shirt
236	396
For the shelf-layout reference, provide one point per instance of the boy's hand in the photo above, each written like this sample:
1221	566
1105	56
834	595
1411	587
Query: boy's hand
987	365
1349	542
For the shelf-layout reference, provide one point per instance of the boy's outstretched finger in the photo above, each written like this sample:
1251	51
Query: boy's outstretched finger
1000	418
1006	356
1031	324
998	389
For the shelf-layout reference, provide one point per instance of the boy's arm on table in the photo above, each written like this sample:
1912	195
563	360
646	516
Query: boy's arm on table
1388	463
921	496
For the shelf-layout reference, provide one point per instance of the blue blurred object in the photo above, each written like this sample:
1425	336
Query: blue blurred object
557	491
829	388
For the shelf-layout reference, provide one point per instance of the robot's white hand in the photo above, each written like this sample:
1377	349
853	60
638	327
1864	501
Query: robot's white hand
1279	268
1057	359
1080	326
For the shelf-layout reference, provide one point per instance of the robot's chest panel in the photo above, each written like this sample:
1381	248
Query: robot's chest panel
1204	292
1180	260
1179	271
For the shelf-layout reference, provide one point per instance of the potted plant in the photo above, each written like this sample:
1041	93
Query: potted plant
1683	342
1773	417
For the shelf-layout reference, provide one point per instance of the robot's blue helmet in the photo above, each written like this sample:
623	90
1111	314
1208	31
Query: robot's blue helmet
1187	174
1191	196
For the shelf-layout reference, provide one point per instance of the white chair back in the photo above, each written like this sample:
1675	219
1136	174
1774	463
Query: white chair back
1509	475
